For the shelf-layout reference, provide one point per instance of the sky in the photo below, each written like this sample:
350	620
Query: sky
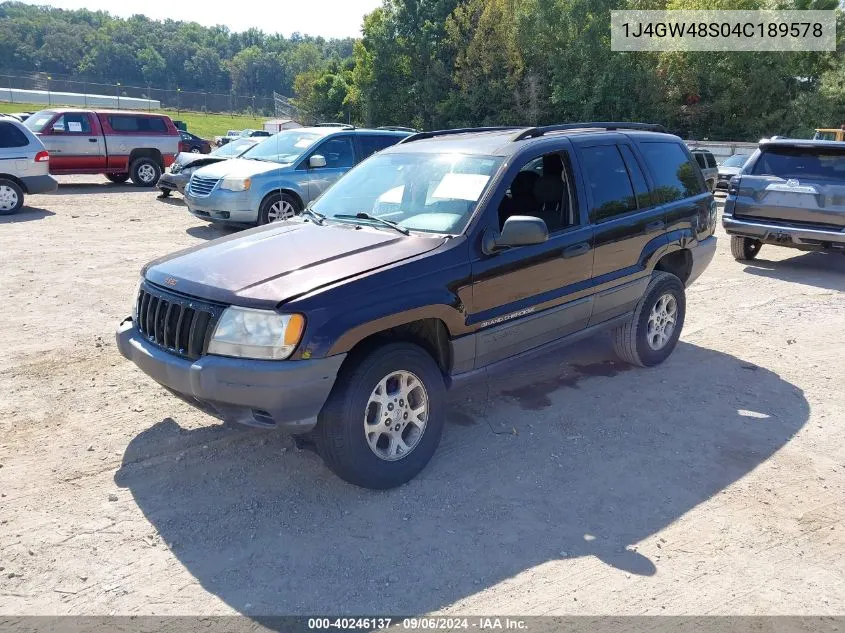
329	18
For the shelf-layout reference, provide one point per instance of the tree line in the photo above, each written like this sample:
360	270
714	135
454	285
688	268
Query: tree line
143	52
453	63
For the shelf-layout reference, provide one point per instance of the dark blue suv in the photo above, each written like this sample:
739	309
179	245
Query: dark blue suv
439	260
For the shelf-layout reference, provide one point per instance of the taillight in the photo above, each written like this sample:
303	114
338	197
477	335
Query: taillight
42	156
733	185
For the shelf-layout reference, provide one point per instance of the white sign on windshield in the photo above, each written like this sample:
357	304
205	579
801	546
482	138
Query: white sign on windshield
461	187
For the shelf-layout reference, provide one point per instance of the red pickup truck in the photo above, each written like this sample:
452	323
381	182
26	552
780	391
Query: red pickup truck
118	143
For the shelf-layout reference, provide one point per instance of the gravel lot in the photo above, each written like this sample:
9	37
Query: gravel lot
714	484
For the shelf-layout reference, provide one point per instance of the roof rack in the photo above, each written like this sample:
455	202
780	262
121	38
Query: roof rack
419	136
536	132
344	126
397	128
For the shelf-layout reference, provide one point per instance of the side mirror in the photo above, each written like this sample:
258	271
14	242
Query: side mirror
523	230
58	129
317	161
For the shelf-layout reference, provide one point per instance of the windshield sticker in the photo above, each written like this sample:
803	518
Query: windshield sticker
303	142
461	187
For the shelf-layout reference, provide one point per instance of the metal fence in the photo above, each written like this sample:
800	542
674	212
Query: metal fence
171	99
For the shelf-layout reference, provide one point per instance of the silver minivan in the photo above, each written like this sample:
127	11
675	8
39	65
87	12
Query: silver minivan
24	165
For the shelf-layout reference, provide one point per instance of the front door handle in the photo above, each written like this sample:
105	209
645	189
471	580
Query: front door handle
651	227
92	140
576	250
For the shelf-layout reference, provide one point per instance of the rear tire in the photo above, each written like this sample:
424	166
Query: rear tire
384	418
11	197
118	178
145	172
278	207
652	332
744	248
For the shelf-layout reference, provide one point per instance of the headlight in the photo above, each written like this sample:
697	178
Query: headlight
259	334
235	184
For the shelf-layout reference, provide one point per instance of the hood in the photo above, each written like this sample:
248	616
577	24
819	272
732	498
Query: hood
185	159
729	171
268	265
238	168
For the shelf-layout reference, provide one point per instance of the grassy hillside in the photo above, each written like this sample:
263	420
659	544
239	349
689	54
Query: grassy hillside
204	125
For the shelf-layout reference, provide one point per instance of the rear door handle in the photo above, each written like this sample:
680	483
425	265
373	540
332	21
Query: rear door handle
651	227
576	250
92	140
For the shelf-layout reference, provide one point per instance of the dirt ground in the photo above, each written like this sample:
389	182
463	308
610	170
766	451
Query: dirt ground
714	484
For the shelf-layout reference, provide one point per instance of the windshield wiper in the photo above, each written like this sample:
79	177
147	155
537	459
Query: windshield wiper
319	218
361	215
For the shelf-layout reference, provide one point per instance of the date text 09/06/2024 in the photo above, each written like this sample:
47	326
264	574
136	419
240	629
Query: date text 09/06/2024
420	623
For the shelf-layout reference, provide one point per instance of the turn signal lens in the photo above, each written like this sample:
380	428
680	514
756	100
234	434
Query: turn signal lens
293	332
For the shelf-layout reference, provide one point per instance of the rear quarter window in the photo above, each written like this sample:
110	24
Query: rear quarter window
801	163
675	175
11	136
129	123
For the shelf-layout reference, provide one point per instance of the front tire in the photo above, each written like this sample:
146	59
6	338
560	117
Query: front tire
384	418
118	178
11	197
652	332
745	248
278	207
145	172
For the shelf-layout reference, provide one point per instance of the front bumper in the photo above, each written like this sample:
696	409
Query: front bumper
702	255
39	184
224	206
782	234
269	394
173	182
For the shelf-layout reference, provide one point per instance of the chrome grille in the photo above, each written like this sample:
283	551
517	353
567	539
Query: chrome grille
202	186
181	325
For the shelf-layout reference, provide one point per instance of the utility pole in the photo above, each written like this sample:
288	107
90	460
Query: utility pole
117	92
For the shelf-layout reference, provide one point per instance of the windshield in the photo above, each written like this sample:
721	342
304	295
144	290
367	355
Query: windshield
38	121
284	147
737	160
234	148
434	193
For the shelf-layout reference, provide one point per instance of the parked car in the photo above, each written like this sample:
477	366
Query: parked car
23	165
21	116
193	144
185	164
118	143
790	193
276	179
730	168
440	260
255	134
220	141
707	162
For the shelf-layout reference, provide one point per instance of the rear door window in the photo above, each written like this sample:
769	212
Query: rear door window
675	176
372	143
701	160
711	160
11	136
800	163
610	185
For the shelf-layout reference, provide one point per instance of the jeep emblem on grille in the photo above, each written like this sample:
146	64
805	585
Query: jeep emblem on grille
170	281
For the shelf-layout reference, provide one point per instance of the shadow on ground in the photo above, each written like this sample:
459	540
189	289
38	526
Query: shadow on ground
74	188
212	231
823	270
574	455
26	214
